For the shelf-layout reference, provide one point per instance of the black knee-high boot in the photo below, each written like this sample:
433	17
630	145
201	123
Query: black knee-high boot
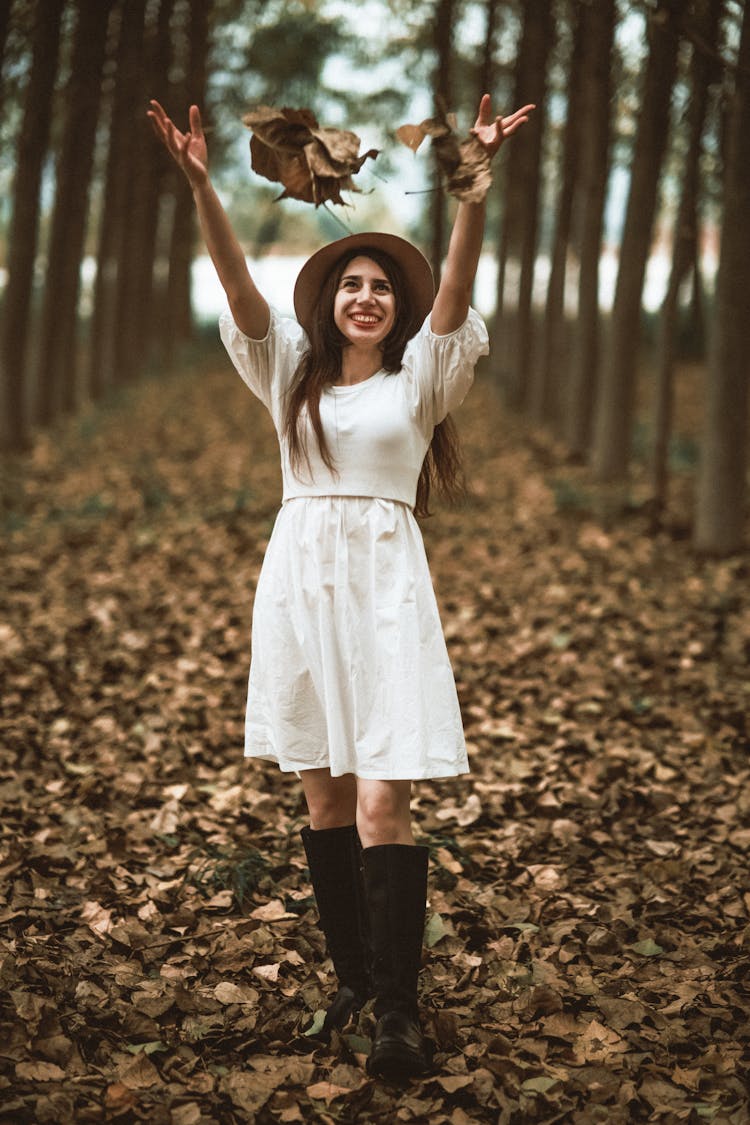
396	893
334	859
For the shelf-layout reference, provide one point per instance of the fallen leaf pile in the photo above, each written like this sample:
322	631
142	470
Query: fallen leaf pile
314	164
587	931
464	164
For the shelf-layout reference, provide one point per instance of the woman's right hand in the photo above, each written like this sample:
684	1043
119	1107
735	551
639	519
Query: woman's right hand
188	150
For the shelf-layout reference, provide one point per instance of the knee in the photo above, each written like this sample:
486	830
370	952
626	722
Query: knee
383	817
332	806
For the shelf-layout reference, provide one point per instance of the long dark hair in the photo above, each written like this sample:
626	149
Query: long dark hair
320	367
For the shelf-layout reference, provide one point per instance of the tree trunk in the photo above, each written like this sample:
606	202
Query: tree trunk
5	7
616	400
549	373
138	249
487	68
131	81
518	240
159	178
22	239
117	199
597	33
179	319
684	246
56	361
722	477
443	100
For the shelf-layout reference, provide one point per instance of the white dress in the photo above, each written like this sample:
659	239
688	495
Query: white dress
349	667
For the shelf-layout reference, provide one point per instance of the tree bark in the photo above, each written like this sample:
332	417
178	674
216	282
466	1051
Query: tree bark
597	32
56	361
116	201
131	220
443	100
138	242
616	400
5	7
722	477
487	68
684	247
518	240
179	319
549	373
24	226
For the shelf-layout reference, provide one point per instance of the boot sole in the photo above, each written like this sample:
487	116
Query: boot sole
393	1063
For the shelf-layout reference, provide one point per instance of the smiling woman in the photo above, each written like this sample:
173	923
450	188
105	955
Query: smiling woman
364	311
350	683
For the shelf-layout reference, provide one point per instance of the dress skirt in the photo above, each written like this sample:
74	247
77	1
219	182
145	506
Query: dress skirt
349	666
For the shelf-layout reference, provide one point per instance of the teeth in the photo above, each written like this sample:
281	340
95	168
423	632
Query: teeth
365	319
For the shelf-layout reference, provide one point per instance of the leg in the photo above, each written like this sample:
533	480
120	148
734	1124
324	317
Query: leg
383	813
395	877
331	801
334	858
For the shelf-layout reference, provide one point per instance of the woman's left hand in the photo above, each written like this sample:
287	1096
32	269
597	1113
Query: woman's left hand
491	130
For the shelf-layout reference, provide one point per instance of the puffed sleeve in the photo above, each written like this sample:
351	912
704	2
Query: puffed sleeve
266	365
439	370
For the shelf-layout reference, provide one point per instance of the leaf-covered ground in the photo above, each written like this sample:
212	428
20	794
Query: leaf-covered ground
589	891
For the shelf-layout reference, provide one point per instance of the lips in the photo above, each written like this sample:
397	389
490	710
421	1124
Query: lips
364	319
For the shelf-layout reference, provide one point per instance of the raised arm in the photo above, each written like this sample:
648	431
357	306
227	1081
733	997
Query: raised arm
451	305
249	307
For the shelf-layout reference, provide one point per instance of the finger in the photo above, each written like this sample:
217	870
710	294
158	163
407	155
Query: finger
484	115
196	125
509	130
524	112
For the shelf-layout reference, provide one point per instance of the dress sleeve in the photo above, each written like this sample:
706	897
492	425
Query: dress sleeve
266	365
439	370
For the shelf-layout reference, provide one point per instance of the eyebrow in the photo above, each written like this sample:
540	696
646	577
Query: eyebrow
358	277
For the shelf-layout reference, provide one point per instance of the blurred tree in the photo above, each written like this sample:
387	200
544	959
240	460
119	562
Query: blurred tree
5	6
488	66
443	101
722	477
613	423
137	248
191	84
704	15
55	383
122	163
597	26
286	56
159	176
31	149
512	334
549	373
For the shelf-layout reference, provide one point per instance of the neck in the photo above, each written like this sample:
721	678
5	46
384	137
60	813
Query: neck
358	364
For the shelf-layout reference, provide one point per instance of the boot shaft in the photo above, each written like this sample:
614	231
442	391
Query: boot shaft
395	880
334	860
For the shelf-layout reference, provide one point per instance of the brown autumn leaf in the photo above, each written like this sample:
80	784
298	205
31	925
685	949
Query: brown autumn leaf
313	163
465	164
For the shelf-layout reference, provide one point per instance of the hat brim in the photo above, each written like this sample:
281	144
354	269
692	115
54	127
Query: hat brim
316	269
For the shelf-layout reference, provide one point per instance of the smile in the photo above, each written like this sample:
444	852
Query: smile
363	318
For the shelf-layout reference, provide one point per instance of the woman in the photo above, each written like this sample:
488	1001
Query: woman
350	684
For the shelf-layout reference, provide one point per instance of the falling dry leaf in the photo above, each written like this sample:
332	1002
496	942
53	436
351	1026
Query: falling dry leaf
314	164
465	164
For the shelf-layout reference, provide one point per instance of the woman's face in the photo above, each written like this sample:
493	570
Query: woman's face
364	307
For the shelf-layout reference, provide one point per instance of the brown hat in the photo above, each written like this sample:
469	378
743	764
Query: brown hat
316	269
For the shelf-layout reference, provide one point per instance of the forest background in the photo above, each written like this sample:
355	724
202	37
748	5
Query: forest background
590	894
639	144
